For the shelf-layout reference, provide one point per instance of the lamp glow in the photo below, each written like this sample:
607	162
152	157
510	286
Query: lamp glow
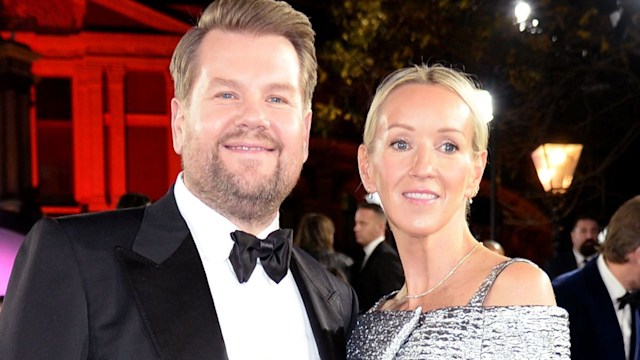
555	165
522	12
485	102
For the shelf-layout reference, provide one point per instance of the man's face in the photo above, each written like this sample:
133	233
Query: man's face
583	230
244	135
368	226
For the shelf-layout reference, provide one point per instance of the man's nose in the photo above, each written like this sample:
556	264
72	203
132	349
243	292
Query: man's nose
252	115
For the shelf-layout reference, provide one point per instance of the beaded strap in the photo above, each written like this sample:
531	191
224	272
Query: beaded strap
479	297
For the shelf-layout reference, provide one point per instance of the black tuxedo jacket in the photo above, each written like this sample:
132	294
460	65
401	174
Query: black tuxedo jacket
595	331
129	284
381	275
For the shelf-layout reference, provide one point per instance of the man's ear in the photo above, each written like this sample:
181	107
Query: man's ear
366	169
177	124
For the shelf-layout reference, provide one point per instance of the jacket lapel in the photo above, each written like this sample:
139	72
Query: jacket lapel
170	287
372	258
320	301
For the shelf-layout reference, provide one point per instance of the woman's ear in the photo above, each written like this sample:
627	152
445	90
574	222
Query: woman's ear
478	165
366	169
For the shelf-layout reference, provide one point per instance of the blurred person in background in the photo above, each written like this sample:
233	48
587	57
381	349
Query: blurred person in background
380	271
494	246
584	244
315	235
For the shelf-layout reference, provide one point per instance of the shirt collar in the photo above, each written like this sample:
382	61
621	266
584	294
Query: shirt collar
207	225
614	287
580	259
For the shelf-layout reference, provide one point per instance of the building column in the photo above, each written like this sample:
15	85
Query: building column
88	138
117	164
16	81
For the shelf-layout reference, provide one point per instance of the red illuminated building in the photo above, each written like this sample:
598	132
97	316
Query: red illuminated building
100	126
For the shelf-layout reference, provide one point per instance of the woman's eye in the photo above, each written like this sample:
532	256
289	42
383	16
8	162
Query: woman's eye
449	147
400	145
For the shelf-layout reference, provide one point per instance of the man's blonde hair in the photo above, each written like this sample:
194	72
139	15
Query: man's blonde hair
258	17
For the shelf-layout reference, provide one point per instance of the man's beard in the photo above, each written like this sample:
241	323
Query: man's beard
589	247
233	195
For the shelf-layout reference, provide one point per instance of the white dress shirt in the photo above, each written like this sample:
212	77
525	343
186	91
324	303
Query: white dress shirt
259	319
616	290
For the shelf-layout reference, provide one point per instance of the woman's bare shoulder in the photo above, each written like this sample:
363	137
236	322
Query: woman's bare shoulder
521	283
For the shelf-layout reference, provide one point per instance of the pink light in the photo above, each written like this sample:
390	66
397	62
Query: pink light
10	242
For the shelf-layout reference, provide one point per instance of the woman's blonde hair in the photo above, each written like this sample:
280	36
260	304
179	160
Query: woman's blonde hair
458	82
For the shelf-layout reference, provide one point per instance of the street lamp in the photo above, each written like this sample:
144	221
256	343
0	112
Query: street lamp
555	165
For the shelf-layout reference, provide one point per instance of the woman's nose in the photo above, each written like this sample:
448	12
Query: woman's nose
423	162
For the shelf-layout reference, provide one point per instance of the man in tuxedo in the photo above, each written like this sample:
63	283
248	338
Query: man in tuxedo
381	270
185	277
602	297
583	245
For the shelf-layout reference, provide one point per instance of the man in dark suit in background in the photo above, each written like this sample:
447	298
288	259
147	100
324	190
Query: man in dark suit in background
185	277
381	271
602	297
584	237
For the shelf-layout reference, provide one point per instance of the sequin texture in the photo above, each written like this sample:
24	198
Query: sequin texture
463	332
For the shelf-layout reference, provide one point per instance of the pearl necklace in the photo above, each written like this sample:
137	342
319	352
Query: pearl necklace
453	270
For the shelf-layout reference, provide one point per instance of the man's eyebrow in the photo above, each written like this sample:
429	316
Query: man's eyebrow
223	82
281	86
217	81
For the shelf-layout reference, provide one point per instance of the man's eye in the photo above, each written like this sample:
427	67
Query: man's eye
225	95
276	100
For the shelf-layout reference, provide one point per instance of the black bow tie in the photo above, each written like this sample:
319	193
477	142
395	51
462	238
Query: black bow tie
630	298
274	253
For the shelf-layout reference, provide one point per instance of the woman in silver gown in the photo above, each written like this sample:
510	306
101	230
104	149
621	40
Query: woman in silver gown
424	153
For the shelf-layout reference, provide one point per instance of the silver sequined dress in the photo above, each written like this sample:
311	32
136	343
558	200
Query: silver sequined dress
463	332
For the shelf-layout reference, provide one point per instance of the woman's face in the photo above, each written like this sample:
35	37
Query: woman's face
422	164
